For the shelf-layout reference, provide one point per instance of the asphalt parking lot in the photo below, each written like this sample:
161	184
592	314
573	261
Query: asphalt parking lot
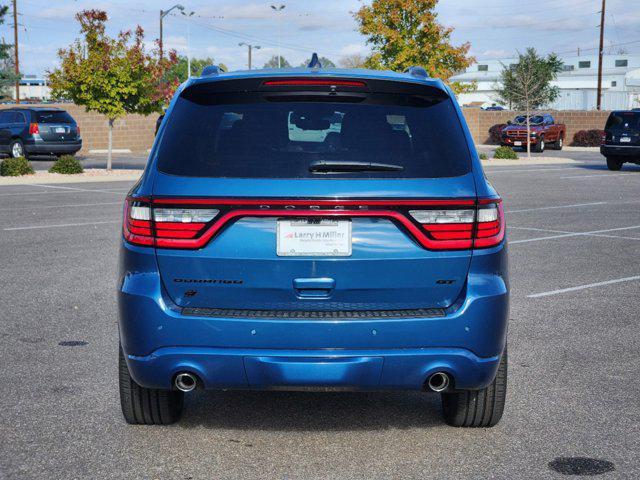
573	390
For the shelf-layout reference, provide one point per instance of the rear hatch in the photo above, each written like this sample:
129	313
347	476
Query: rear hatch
623	128
56	126
294	195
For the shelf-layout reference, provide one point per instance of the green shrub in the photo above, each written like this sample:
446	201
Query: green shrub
506	153
482	155
14	167
66	164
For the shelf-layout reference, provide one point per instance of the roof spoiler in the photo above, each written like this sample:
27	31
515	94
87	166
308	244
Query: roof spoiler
211	71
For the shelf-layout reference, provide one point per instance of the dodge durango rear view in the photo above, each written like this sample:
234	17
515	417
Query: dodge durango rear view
311	228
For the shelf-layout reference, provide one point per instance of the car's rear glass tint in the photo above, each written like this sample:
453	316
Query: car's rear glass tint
53	117
623	120
249	135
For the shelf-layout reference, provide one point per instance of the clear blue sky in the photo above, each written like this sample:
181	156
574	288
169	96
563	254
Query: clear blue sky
495	28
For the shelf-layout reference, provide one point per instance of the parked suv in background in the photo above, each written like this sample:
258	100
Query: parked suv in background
38	131
543	129
622	138
313	228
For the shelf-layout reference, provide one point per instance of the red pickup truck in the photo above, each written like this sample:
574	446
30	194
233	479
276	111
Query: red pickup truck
544	132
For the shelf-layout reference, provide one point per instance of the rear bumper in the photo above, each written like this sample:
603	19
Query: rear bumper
381	353
620	150
349	369
45	148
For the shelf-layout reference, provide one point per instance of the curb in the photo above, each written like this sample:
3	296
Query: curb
499	162
565	147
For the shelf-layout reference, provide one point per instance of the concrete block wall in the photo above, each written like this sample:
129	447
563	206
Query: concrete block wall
480	121
136	132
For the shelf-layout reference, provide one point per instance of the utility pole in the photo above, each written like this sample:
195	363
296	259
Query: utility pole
15	50
249	48
601	47
160	41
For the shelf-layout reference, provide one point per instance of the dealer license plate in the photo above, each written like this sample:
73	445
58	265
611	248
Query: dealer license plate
517	144
313	237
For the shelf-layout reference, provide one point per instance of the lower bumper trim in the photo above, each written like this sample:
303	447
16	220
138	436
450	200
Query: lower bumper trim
310	314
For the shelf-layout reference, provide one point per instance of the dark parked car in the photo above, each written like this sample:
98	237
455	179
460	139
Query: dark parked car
622	139
38	131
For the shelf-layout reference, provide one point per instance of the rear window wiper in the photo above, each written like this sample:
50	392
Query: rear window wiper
328	166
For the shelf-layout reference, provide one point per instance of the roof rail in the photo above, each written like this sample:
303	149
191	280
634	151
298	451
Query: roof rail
315	61
417	71
211	71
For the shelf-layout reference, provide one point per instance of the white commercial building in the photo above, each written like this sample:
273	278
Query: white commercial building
578	82
32	88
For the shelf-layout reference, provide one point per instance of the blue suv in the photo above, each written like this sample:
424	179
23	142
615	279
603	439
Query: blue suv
319	229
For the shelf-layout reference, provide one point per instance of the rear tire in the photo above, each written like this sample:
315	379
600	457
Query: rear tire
559	144
614	163
16	149
478	408
146	406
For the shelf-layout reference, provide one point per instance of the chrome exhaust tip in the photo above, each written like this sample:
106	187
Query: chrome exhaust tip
438	382
185	381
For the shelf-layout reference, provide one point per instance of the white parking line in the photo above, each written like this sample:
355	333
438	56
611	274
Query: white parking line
33	227
554	207
39	207
72	188
582	287
604	174
564	231
572	234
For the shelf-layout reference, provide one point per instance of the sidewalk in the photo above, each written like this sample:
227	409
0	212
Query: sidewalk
499	162
90	175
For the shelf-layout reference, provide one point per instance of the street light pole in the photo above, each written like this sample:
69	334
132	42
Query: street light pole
279	8
164	13
249	48
188	15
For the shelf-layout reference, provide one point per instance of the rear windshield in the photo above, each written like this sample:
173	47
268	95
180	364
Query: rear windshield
251	136
623	121
53	117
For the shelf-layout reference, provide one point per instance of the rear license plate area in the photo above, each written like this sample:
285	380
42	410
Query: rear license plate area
313	237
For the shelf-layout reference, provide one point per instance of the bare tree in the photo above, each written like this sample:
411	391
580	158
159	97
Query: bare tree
355	60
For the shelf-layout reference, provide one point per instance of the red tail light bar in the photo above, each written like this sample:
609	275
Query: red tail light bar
190	223
313	83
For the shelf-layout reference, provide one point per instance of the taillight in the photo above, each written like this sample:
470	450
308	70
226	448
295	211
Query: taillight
145	225
78	129
34	129
479	227
435	224
489	224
